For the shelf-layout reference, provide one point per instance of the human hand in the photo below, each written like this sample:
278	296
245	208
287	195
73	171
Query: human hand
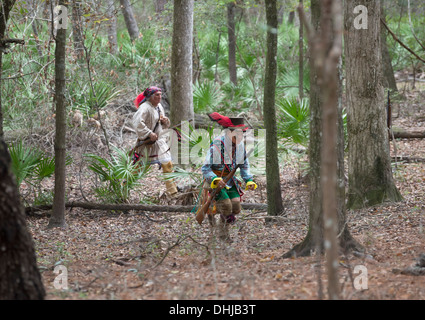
218	182
153	136
251	185
163	120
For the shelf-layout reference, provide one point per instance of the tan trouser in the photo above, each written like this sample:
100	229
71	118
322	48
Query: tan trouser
169	184
226	208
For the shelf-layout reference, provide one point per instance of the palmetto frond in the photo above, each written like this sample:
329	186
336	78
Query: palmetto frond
293	120
119	173
24	160
206	96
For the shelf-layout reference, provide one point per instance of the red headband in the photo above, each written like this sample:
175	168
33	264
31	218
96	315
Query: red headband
145	95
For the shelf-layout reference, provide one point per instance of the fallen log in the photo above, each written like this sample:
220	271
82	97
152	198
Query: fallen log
409	134
138	207
407	159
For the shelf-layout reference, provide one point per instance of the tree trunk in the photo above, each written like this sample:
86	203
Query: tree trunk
274	195
301	59
34	26
181	63
370	179
160	13
160	6
387	67
291	17
196	61
232	42
58	216
20	278
111	26
77	29
398	134
327	57
5	9
130	20
1	108
315	236
280	13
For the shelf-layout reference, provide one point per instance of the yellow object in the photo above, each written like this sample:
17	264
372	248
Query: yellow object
250	183
214	183
169	184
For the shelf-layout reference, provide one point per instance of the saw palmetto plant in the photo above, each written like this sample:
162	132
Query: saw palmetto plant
118	175
24	160
293	121
32	166
85	100
206	96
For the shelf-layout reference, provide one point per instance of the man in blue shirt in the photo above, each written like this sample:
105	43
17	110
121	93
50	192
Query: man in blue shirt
225	153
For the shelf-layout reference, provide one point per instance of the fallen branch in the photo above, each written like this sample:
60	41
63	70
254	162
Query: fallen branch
411	79
179	241
409	134
418	269
407	159
138	207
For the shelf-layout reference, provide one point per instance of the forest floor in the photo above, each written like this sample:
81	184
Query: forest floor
153	256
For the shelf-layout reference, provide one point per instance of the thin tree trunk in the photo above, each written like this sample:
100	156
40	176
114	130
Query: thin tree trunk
327	59
196	61
181	63
5	8
111	26
130	20
35	28
274	194
20	278
232	42
280	13
160	6
77	29
370	179
1	108
58	216
314	240
388	71
216	78
291	17
161	14
301	59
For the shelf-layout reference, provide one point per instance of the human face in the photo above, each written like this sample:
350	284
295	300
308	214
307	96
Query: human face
156	98
236	135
